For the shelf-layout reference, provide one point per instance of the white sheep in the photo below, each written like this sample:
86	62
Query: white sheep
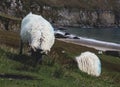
37	32
89	63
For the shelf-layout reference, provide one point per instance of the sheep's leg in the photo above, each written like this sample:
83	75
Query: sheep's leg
39	59
37	56
21	47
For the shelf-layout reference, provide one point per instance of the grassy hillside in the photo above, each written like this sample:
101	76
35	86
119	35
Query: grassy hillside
58	69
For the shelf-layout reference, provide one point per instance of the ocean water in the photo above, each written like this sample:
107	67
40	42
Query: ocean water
106	34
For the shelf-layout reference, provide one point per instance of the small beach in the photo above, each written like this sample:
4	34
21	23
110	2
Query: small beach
101	46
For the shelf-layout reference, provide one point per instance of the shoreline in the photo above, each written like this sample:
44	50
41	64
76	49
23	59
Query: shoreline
95	45
62	27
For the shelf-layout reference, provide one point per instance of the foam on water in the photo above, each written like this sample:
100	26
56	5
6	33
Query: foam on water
98	41
92	42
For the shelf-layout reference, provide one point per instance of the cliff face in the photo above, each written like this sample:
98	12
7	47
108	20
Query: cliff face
11	7
80	13
86	18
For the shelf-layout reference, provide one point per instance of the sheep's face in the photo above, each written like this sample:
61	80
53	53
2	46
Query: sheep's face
39	51
36	47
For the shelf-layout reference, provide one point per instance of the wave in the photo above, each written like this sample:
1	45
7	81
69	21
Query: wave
90	41
100	44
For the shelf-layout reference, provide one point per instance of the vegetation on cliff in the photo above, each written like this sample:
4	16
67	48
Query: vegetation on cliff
85	4
29	5
94	13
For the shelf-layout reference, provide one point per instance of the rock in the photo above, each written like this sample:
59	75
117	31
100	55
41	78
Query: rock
76	37
67	33
60	36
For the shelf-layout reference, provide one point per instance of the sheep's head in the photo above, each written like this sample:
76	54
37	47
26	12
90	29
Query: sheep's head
38	45
39	51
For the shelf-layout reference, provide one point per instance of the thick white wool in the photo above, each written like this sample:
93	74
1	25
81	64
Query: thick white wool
37	31
88	62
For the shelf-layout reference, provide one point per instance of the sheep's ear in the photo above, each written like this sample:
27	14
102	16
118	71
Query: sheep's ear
33	48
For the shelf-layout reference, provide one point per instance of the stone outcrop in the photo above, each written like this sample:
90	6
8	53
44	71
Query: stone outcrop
84	18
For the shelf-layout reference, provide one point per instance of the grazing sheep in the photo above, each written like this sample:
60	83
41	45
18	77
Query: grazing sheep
88	62
38	33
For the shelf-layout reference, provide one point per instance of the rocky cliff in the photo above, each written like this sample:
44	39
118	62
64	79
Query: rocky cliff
82	13
86	18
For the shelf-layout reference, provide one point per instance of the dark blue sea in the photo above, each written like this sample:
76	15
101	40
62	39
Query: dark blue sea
102	34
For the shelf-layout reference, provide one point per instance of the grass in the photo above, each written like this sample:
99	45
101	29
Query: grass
6	16
58	69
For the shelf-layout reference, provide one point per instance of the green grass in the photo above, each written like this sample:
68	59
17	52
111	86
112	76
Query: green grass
58	69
